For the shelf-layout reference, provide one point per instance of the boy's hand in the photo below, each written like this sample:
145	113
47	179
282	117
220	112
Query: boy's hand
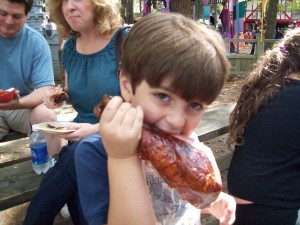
223	209
120	128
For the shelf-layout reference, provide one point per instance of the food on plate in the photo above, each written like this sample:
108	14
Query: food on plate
183	166
58	97
56	128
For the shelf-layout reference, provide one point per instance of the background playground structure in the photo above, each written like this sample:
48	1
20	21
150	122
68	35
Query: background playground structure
241	15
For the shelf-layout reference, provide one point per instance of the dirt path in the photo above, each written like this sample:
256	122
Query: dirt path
229	94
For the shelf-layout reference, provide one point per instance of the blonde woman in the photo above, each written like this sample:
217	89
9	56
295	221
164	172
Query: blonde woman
88	58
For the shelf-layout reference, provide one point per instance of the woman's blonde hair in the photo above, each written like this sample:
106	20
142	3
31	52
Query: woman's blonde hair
107	17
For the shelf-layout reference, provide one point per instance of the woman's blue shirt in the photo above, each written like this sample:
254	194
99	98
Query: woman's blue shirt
89	78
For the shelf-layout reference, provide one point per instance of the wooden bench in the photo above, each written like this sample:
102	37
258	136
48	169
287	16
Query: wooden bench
13	136
215	123
18	182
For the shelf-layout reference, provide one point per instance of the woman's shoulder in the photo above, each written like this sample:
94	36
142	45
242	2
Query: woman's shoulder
70	42
68	47
123	30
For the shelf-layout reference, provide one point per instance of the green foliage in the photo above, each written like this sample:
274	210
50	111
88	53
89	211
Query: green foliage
289	6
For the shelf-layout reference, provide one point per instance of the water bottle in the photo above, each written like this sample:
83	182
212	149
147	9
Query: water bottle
39	154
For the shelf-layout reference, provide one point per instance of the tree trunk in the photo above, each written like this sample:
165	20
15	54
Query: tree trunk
183	7
123	9
270	21
154	4
130	16
199	9
127	11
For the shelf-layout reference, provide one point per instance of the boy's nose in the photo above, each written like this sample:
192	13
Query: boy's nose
176	119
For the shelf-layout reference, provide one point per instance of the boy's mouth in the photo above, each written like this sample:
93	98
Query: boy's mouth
98	109
167	130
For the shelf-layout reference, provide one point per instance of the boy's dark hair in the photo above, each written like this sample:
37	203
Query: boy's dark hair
27	3
193	56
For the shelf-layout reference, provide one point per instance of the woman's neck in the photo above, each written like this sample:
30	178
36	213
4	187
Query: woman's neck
89	43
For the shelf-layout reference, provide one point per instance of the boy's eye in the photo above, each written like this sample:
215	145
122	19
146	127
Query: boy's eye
196	106
162	97
3	13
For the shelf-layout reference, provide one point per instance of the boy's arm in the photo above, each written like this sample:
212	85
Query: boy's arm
120	127
130	201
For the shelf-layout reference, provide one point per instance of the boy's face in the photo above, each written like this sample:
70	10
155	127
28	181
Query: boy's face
162	108
12	18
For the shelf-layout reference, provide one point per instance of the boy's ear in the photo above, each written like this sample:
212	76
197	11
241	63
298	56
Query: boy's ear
125	86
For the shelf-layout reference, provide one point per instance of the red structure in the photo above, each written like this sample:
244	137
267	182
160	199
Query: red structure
253	13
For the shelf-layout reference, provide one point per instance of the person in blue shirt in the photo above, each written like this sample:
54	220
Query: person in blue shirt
172	69
26	65
264	174
90	28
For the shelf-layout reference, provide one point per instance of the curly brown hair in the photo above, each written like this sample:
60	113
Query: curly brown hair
271	74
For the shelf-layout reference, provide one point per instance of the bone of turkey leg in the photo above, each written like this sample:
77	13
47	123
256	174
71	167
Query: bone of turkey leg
180	164
58	97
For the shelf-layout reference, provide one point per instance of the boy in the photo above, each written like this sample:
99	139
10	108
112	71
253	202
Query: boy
172	69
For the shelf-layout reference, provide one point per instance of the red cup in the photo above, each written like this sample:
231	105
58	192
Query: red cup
7	95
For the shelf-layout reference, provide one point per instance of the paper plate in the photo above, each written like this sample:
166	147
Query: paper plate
55	127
